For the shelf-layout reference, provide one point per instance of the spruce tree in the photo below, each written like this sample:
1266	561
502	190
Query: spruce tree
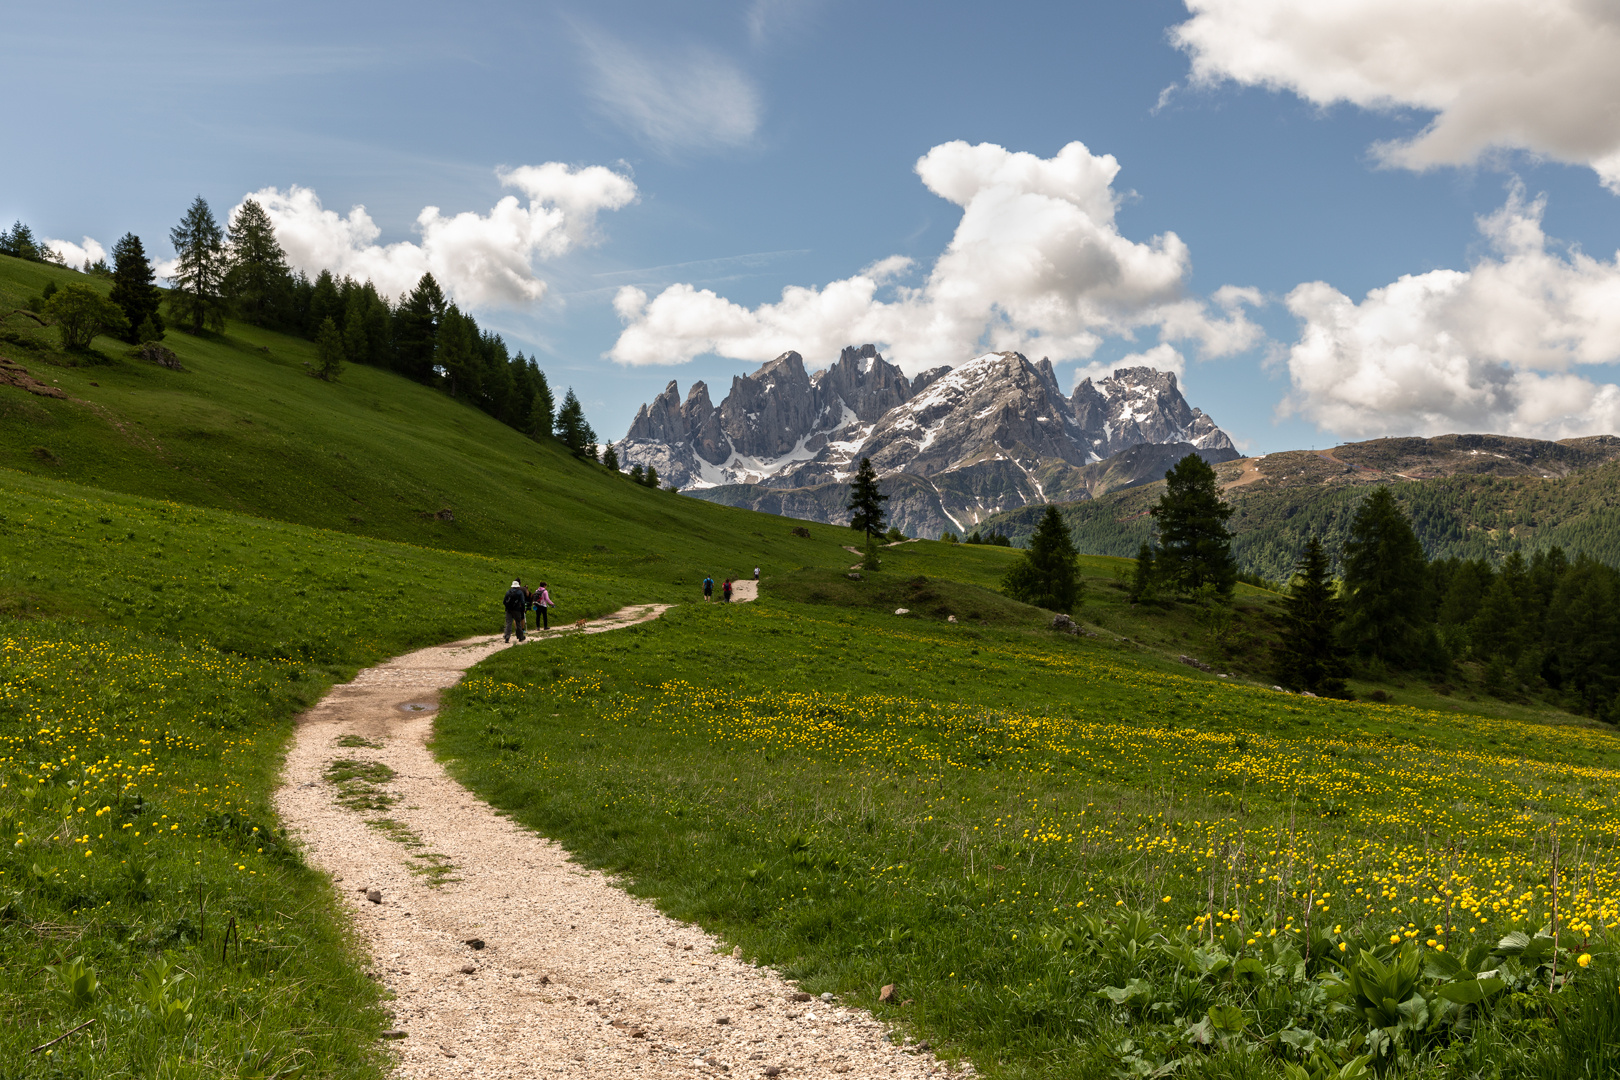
1386	603
258	282
356	340
329	349
416	327
610	458
866	501
636	475
325	302
20	243
651	477
1048	574
456	353
199	276
572	429
133	289
1195	548
542	407
1309	656
1145	575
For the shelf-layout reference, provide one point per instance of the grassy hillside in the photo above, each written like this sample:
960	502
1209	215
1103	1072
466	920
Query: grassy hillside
245	428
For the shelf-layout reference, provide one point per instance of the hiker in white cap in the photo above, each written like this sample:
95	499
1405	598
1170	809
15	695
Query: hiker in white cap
516	602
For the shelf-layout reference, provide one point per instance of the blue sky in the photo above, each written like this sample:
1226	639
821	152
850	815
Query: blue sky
775	144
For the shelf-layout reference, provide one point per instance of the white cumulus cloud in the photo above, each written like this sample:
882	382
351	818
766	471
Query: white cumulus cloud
76	255
1536	75
675	98
1162	357
1037	263
482	260
1495	348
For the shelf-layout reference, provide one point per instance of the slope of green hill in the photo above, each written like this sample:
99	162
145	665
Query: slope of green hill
245	428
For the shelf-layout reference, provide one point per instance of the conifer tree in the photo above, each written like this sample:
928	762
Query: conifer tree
572	429
1048	574
20	243
610	458
542	407
456	354
356	340
199	276
258	281
133	289
636	475
866	501
416	326
1309	656
329	349
1145	575
1385	585
651	477
325	302
1195	548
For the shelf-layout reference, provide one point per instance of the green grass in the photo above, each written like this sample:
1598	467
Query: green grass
150	672
970	813
244	428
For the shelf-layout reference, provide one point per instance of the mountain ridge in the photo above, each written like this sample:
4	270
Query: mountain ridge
952	445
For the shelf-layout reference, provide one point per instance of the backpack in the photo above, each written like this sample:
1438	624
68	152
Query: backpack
515	600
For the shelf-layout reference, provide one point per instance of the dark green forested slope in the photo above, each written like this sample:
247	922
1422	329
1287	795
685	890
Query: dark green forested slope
1455	517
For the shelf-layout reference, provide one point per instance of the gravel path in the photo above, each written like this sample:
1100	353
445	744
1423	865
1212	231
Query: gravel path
524	964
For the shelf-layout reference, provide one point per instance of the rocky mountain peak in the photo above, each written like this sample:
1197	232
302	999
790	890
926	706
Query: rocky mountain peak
994	425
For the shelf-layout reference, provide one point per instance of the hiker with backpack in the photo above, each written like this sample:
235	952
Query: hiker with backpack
542	607
726	590
515	602
708	588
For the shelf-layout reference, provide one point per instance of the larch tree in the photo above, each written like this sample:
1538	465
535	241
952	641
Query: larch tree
199	277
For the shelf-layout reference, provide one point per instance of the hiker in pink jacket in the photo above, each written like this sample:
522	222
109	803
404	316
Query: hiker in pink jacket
542	604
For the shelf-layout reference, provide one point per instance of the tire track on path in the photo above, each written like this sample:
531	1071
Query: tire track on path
575	978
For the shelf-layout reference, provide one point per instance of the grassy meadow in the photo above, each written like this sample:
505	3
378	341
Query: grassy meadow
1067	862
1072	855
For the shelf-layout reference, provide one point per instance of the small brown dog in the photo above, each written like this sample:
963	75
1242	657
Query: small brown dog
579	625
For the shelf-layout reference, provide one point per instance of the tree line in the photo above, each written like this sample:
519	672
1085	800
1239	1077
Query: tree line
1546	625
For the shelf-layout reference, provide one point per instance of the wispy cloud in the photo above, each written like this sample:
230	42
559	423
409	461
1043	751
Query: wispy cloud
770	18
679	99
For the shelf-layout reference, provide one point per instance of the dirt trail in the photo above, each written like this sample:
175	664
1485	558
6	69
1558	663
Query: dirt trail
575	978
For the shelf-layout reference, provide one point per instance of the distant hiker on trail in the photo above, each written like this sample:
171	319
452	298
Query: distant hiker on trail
542	606
708	588
514	602
756	573
726	590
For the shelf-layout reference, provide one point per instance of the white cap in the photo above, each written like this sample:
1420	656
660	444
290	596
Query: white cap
515	585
